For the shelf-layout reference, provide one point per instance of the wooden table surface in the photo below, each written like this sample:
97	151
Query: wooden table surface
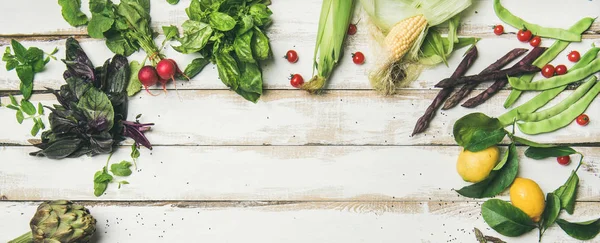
336	167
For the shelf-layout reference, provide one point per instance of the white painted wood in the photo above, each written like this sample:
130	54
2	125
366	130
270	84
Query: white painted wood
213	117
306	173
301	16
294	223
277	71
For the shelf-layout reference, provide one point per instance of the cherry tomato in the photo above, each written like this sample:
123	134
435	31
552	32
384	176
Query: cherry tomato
560	69
358	58
563	160
524	35
583	120
574	56
498	29
535	41
352	29
291	56
296	80
548	71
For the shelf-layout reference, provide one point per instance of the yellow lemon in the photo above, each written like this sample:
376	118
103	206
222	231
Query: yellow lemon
476	166
527	195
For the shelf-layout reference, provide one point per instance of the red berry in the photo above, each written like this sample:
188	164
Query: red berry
358	58
535	41
583	120
498	29
564	160
296	80
560	69
352	29
291	56
574	56
548	71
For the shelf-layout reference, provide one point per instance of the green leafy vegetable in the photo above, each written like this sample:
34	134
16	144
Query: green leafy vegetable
172	2
547	152
121	169
27	108
476	132
231	35
71	12
582	231
101	180
568	192
134	82
505	218
26	62
498	180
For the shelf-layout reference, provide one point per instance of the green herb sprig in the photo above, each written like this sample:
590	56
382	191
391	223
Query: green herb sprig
27	108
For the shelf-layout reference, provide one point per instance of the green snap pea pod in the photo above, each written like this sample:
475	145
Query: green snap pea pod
557	81
544	97
556	48
562	119
560	107
514	21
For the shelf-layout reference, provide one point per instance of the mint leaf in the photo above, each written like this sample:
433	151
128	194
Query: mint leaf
27	107
40	108
20	117
19	50
121	169
13	100
35	129
71	12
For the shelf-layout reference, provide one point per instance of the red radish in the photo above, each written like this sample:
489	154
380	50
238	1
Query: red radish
166	70
148	77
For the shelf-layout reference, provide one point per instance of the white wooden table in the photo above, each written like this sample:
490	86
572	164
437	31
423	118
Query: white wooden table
337	167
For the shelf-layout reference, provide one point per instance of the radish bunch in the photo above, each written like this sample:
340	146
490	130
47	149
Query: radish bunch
165	70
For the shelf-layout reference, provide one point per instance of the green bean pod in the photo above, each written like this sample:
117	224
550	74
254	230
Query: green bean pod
557	81
544	97
562	119
514	21
556	48
561	106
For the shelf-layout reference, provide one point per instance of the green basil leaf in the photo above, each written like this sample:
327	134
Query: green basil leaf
476	132
172	2
25	73
19	50
246	24
12	107
97	106
229	72
102	176
527	142
242	47
195	67
581	231
194	11
100	188
251	79
35	129
195	36
260	45
71	12
98	25
261	14
505	218
13	100
62	148
134	85
97	6
135	152
568	192
27	107
547	152
26	90
221	21
250	96
551	210
11	64
497	181
40	109
121	169
20	117
125	182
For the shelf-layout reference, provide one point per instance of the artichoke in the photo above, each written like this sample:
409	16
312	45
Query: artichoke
60	222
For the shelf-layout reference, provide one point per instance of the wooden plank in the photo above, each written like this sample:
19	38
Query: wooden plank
276	72
301	16
211	117
295	222
305	173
